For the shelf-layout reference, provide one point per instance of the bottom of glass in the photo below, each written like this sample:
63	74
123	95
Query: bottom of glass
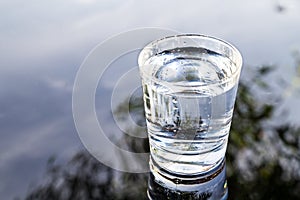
210	186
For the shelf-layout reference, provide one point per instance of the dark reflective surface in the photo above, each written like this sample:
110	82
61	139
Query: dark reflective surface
43	45
262	160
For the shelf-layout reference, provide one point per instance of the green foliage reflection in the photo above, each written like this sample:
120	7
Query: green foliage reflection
263	157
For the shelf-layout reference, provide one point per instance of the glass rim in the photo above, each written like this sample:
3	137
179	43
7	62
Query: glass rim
236	54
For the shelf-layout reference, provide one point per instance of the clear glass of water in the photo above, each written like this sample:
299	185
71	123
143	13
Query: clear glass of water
189	89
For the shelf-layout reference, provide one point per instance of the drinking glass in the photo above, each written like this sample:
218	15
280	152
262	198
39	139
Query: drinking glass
189	89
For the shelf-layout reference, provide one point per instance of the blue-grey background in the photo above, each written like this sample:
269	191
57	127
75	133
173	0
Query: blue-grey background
43	43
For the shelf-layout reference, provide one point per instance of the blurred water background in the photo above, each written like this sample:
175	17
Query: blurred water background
43	45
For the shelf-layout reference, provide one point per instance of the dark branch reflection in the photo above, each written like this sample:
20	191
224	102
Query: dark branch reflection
263	157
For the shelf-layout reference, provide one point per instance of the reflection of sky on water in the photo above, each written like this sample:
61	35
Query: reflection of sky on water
44	43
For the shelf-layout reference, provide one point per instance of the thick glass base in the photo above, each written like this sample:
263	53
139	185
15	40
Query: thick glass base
209	186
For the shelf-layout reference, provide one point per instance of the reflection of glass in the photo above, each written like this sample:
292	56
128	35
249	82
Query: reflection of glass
189	85
212	186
